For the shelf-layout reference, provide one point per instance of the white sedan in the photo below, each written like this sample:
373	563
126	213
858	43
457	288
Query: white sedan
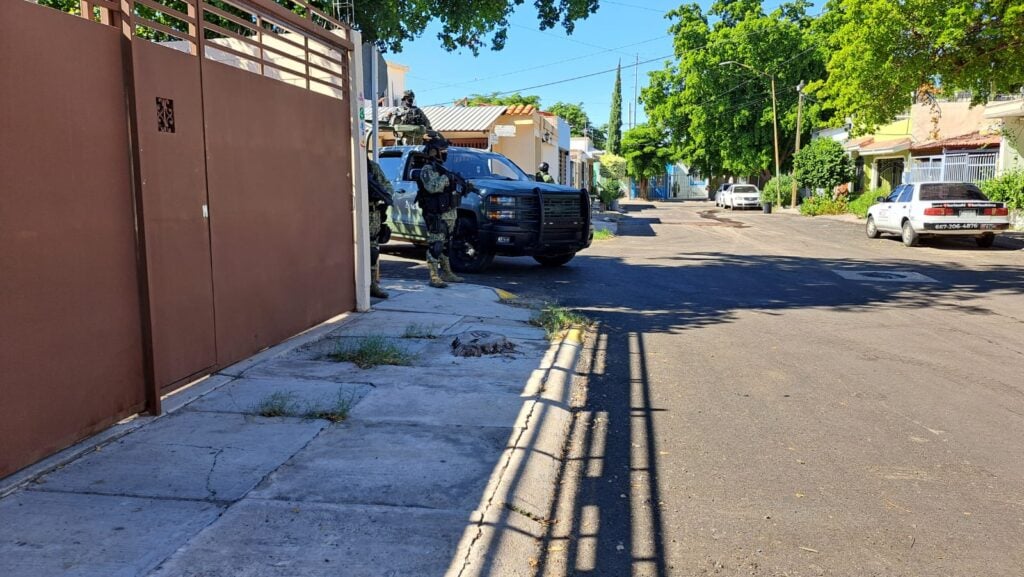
742	196
938	209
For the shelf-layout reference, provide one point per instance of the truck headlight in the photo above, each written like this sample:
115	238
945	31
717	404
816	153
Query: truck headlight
503	200
501	214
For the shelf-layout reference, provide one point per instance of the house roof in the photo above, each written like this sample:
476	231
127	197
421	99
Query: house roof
965	141
521	110
457	118
867	145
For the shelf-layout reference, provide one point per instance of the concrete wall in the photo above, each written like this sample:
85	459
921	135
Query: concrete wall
1011	152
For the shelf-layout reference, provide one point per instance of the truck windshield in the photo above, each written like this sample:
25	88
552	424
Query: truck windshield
479	164
391	165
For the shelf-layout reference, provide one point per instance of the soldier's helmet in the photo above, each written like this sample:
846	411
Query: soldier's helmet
543	167
408	95
434	141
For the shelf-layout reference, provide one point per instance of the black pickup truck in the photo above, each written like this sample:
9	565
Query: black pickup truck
505	213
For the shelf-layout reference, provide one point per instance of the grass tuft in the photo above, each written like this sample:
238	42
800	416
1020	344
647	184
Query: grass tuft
336	412
554	319
278	404
371	352
603	234
418	331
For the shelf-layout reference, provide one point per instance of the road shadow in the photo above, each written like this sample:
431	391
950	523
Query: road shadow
606	518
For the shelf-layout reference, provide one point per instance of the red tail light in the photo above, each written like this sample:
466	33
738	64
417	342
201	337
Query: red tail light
938	211
997	212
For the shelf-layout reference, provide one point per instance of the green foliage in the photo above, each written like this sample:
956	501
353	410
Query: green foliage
370	352
778	188
860	204
822	164
882	51
608	190
612	166
721	115
554	319
495	99
573	114
1008	188
614	144
603	234
647	153
824	204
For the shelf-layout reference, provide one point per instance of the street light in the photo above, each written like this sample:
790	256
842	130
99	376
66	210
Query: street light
775	123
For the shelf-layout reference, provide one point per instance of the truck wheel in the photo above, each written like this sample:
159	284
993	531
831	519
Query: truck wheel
467	254
553	259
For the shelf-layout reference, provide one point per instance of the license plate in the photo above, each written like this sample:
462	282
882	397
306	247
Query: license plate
968	213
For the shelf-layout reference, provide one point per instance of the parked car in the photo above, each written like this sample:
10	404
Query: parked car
719	195
742	196
938	209
505	213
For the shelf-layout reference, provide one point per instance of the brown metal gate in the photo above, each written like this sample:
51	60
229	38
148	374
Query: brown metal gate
142	244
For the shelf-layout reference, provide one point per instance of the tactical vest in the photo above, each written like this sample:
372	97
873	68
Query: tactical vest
434	202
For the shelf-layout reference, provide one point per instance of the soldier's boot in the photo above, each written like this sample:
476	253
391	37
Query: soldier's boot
435	278
446	271
375	290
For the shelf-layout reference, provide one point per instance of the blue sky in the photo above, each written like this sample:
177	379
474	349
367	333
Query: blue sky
618	31
550	63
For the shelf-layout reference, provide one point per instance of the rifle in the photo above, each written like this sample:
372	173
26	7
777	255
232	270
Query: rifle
377	191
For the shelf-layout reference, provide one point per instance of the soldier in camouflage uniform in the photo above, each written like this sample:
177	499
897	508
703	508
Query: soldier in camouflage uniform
409	121
542	173
439	204
378	213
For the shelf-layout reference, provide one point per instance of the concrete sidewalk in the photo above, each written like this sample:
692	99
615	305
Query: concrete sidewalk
444	467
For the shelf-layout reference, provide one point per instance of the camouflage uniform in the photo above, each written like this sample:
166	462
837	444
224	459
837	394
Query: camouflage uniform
378	210
409	120
437	237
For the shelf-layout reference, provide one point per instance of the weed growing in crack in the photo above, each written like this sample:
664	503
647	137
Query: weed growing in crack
371	352
418	331
555	319
336	412
277	404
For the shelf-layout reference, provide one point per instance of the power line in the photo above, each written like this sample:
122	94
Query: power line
563	81
547	65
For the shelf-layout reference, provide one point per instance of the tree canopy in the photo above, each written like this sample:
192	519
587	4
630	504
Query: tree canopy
647	152
469	24
884	51
721	113
497	99
579	122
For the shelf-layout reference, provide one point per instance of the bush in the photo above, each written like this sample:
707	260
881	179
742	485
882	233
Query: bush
612	166
609	189
860	204
785	185
1008	188
822	164
824	204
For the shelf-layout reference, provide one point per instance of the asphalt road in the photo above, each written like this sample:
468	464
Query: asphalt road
779	395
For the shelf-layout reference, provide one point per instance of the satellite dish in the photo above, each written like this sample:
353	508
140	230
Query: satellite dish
382	71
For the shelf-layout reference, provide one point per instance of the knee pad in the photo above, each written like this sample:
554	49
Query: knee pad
436	249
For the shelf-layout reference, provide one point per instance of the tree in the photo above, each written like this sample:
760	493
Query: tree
822	164
647	152
574	115
495	99
719	115
883	51
614	145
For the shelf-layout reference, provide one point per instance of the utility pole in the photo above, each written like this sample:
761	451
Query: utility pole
775	121
633	107
799	117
